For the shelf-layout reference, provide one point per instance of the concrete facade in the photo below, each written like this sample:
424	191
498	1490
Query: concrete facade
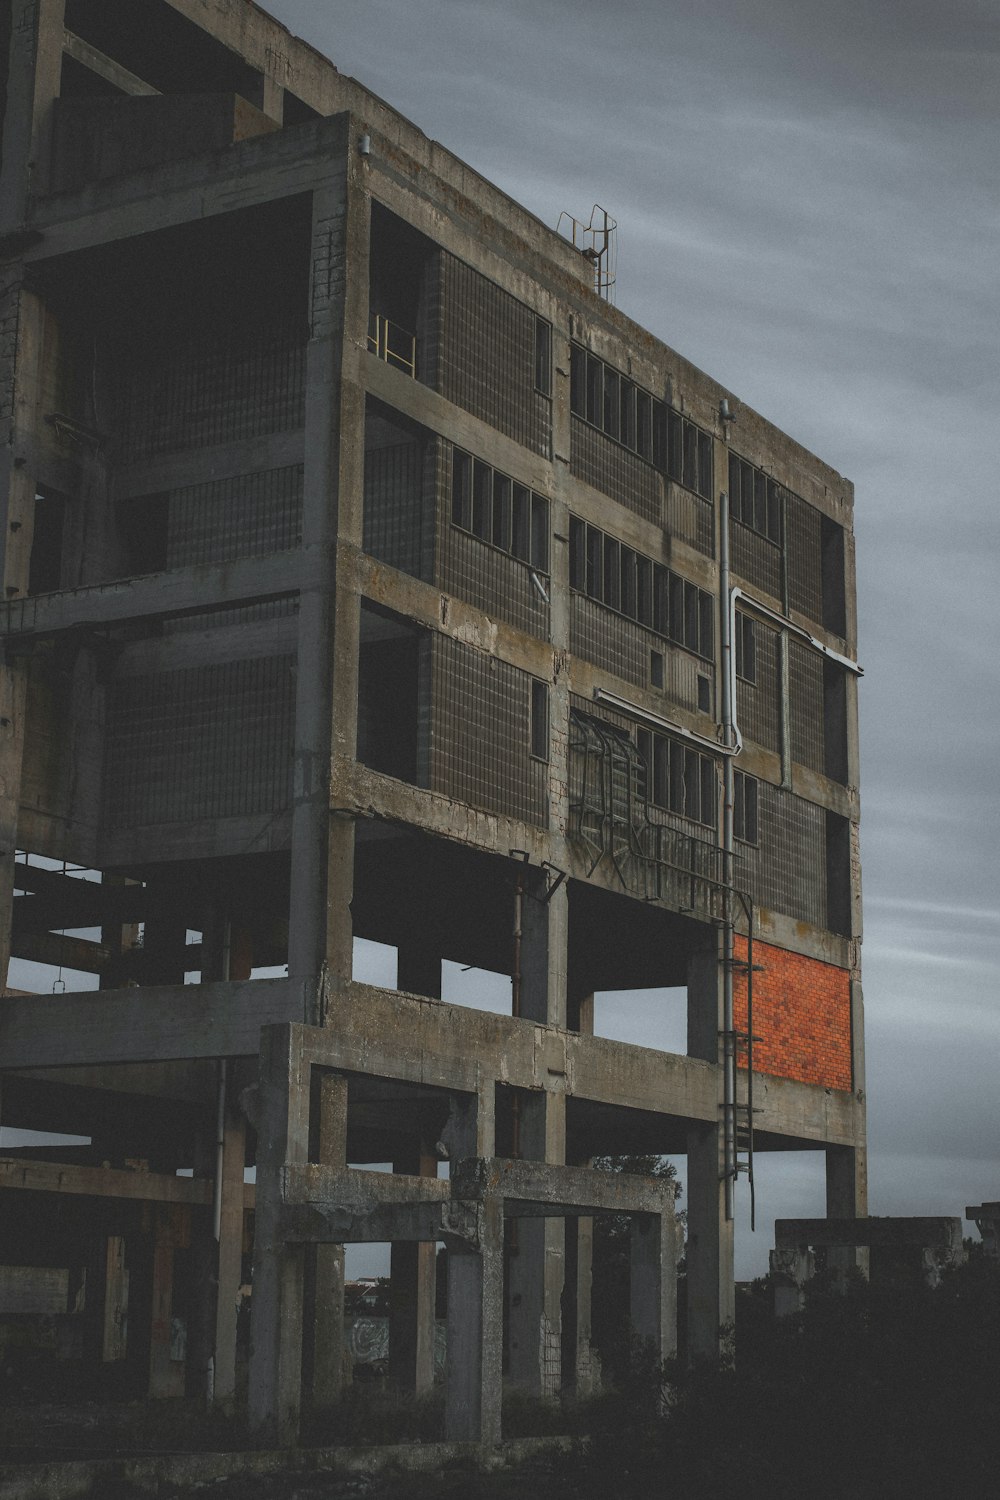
368	575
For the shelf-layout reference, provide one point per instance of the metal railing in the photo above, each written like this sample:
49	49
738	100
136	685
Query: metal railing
395	345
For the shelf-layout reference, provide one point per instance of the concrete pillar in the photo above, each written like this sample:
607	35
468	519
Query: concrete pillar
166	1376
412	1295
32	86
536	1269
282	1119
475	1334
229	1254
581	1366
545	932
323	1317
711	1289
847	1198
653	1281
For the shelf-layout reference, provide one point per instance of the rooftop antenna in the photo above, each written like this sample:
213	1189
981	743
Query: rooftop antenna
597	243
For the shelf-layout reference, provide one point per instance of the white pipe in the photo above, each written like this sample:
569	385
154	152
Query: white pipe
601	695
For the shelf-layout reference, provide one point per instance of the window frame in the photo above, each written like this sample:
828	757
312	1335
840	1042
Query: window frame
482	497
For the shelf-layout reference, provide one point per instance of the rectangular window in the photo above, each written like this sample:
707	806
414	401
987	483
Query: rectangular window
679	779
644	425
482	500
595	390
629	594
642	590
612	573
612	398
520	544
539	719
577	554
461	490
493	507
502	511
744	807
539	533
656	669
543	356
745	647
578	380
595	563
755	499
616	406
626	423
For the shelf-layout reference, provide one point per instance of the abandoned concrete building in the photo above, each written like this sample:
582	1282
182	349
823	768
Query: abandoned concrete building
368	575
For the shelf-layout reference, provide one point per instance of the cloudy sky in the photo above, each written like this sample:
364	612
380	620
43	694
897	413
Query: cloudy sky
807	196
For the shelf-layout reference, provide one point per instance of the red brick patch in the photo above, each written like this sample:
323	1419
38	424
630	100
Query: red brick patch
801	1016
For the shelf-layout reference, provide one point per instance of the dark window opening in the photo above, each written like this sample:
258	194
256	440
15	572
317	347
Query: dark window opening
745	646
833	582
838	874
835	721
633	417
635	586
745	808
296	111
164	48
398	262
656	669
543	356
679	778
704	694
390	661
143	526
539	719
755	499
45	563
499	511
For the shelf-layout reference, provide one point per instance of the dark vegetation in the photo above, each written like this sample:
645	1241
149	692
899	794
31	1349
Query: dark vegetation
884	1391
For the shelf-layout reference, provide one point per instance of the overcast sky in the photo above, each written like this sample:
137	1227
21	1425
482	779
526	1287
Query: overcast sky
807	196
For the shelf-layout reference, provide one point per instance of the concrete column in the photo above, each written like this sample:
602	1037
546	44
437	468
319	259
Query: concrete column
653	1281
22	317
166	1376
536	1270
475	1334
545	932
323	1319
581	1366
847	1198
711	1290
412	1291
320	930
282	1119
470	1129
32	86
229	1255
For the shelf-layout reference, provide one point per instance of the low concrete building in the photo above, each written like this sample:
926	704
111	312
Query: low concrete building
367	574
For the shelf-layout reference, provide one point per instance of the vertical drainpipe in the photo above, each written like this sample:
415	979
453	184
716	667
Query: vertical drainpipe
728	1034
220	1149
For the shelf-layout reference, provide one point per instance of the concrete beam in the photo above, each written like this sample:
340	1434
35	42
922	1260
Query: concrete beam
19	1175
881	1233
105	67
182	591
151	1024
